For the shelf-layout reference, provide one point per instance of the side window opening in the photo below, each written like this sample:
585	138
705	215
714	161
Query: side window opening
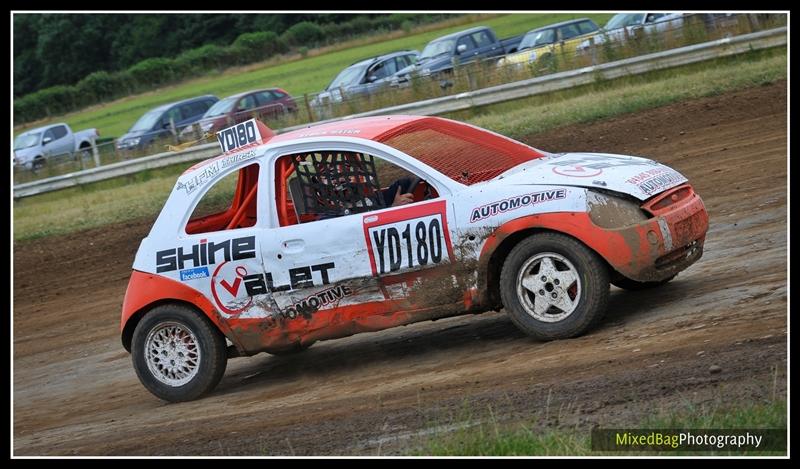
482	39
323	185
467	41
587	27
229	204
59	132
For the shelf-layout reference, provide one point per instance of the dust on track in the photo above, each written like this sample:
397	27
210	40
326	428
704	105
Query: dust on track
75	391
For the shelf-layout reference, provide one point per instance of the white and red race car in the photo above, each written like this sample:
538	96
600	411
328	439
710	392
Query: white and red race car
288	239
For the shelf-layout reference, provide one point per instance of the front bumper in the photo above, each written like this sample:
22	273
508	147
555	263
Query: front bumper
668	242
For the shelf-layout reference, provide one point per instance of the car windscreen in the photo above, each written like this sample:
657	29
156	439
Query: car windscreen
26	141
347	77
221	107
537	38
624	19
147	121
445	46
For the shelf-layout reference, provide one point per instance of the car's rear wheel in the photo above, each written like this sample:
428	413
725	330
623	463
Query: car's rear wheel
628	284
177	353
554	287
85	153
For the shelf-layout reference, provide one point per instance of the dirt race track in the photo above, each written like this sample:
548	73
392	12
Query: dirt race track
75	391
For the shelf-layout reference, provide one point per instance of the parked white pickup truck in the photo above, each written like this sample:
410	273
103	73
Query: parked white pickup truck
625	25
35	147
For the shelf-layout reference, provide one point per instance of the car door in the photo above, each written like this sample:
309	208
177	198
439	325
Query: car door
374	258
267	105
170	122
60	142
465	49
244	108
191	113
379	72
486	45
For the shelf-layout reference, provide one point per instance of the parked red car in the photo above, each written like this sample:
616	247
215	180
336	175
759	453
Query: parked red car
262	104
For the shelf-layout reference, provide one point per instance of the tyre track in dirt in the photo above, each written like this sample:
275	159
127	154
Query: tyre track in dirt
75	391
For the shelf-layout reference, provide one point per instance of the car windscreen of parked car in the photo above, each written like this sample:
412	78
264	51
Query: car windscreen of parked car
624	19
147	121
349	76
26	141
221	107
537	38
437	48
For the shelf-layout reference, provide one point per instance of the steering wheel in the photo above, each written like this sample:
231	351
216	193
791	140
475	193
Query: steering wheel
413	186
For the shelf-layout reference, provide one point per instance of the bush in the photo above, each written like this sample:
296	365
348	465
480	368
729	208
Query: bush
203	58
57	99
99	85
303	33
154	71
260	45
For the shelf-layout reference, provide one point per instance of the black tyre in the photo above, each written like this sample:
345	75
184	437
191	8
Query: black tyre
554	287
85	153
632	285
177	353
38	163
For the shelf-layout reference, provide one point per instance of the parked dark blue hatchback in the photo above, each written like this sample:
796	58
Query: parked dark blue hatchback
165	121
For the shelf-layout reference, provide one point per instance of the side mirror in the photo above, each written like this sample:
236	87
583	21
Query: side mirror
47	140
165	125
461	48
371	79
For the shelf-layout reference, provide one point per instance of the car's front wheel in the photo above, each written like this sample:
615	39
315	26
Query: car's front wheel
553	286
177	353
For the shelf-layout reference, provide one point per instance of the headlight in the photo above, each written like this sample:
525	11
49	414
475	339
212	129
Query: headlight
207	126
611	211
425	71
130	142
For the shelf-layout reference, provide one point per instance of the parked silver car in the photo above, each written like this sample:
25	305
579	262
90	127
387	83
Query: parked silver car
365	76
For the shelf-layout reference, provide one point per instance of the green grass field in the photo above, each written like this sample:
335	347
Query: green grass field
307	75
488	439
143	194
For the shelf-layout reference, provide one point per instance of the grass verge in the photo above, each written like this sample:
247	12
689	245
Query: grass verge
144	194
487	439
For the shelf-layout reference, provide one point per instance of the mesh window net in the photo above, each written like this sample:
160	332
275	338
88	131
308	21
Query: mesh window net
333	184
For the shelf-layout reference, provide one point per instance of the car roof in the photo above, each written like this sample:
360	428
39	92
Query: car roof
382	57
459	33
245	93
558	25
40	129
466	156
164	107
